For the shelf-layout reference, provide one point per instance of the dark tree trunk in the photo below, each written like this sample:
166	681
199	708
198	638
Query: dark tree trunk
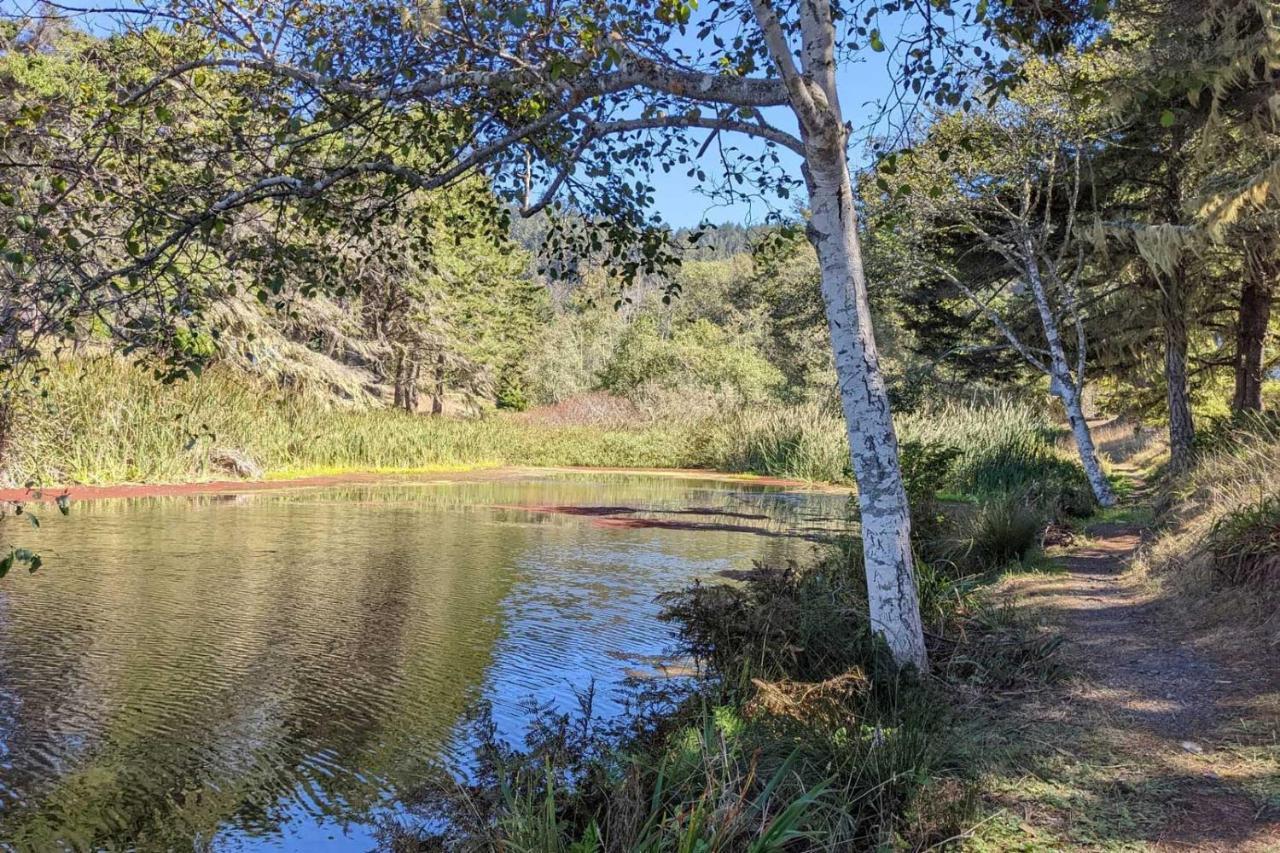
437	398
411	387
6	434
398	376
1251	328
1173	310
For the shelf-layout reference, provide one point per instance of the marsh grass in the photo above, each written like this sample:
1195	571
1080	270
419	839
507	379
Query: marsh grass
104	421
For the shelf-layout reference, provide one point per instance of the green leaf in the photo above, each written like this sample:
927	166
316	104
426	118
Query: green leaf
877	43
1167	118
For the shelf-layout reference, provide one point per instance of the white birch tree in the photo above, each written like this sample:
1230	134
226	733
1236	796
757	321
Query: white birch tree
1010	184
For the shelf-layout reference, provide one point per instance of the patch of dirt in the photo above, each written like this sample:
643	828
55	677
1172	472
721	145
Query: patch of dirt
640	518
1161	710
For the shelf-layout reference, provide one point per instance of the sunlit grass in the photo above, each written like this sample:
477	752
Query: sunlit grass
103	421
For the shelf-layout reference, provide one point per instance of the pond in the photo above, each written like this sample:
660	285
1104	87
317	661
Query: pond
268	671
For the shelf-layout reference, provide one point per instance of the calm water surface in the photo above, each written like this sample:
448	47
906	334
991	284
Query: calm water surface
267	671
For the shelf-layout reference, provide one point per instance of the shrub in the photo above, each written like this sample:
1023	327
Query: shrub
1244	545
697	355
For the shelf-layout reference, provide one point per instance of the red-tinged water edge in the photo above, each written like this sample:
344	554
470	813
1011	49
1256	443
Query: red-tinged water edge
49	494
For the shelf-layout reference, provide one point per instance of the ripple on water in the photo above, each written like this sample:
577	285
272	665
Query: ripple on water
268	673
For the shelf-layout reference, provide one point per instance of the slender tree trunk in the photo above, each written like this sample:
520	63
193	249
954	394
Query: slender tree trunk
1073	402
411	386
1066	387
6	433
873	444
437	398
1251	328
1173	311
400	396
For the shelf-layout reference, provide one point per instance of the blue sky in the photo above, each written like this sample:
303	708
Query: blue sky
863	85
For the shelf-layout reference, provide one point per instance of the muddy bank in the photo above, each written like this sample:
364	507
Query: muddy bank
77	493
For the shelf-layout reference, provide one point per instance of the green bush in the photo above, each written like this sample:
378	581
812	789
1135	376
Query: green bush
696	355
1244	545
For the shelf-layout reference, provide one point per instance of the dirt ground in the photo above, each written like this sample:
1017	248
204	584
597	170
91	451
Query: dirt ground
1159	741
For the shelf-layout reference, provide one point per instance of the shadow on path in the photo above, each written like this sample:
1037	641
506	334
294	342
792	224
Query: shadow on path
1180	740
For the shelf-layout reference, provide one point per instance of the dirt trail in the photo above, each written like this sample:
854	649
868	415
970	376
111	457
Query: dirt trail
1178	739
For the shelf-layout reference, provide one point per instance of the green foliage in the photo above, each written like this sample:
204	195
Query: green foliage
1245	546
699	356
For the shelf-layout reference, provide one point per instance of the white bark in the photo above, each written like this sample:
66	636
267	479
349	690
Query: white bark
873	444
1072	401
1067	388
893	601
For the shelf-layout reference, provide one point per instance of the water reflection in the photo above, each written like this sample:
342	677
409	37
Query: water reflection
265	671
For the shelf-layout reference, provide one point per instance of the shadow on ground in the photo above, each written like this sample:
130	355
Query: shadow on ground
1157	742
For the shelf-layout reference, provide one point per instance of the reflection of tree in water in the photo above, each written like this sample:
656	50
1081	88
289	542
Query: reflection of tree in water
304	674
202	666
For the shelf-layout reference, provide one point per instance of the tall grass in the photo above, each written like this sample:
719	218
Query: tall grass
104	421
804	442
1221	540
995	449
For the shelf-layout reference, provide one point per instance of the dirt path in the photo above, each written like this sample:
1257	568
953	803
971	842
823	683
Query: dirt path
1159	742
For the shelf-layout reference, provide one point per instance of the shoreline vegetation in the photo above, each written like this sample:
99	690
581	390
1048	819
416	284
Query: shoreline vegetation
103	422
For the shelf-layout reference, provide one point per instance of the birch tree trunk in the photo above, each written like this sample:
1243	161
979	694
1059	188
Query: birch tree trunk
1073	402
1064	386
892	599
873	444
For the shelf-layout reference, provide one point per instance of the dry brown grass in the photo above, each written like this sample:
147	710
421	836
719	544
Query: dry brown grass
1199	511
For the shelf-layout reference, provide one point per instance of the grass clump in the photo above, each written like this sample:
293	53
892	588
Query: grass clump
1245	544
1219	548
